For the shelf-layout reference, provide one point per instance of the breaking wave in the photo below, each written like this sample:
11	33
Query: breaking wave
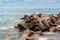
4	27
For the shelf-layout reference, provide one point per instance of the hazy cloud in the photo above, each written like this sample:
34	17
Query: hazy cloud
1	0
51	0
29	3
29	0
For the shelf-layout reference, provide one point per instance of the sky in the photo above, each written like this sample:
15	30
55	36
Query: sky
29	3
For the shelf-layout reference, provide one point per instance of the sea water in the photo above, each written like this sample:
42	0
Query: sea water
9	17
12	34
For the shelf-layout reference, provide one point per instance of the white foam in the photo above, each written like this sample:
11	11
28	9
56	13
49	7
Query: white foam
42	38
58	25
4	28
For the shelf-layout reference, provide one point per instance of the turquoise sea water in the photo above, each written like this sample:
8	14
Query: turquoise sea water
11	16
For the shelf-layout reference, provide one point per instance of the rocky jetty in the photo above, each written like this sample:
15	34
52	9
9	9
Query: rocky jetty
39	23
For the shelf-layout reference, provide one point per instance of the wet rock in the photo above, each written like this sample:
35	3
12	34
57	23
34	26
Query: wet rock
39	22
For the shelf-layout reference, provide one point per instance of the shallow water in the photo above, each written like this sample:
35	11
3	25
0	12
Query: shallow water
12	16
12	34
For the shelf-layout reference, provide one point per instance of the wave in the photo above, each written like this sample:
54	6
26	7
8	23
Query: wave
6	27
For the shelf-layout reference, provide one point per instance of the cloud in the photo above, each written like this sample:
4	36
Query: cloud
29	0
35	1
1	0
7	0
51	0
